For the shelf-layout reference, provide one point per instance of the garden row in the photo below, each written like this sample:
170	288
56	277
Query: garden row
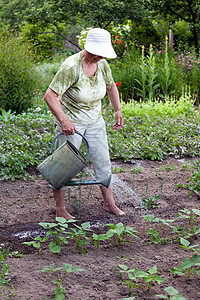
59	234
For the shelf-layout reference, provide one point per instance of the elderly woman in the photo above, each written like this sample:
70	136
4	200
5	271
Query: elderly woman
74	97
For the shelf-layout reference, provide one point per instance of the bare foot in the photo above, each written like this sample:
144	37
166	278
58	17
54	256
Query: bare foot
62	212
114	210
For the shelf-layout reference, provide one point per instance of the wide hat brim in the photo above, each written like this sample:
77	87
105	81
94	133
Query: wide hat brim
98	42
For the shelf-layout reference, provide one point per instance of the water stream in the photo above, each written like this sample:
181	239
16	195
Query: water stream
124	192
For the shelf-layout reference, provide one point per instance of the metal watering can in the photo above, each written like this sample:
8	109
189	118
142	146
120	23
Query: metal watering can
64	163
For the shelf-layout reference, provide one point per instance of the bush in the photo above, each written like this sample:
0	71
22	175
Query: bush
25	140
19	81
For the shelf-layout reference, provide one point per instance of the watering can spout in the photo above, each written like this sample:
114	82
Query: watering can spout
105	182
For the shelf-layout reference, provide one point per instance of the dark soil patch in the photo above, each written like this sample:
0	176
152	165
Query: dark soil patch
25	203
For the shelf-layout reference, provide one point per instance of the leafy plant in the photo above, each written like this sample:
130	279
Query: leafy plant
4	271
191	218
151	202
58	231
186	166
116	170
37	242
97	238
191	265
178	230
79	235
27	142
149	277
194	180
173	294
120	232
168	167
137	169
58	279
157	224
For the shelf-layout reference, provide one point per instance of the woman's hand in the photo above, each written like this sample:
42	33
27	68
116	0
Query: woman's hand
119	120
68	127
113	95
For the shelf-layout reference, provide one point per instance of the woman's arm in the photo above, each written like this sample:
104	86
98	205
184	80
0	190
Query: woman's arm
53	103
113	95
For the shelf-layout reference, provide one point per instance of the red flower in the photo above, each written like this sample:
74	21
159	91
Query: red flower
119	41
116	36
118	84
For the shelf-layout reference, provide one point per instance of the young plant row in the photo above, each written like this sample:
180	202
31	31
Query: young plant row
59	234
131	277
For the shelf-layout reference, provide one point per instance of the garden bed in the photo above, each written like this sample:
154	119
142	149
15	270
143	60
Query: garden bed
25	203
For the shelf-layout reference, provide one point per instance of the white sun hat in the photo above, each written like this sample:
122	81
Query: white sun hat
98	42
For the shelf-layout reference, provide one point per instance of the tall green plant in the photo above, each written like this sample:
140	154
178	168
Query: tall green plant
143	77
152	83
19	80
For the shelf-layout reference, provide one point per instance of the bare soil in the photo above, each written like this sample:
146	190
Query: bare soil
25	203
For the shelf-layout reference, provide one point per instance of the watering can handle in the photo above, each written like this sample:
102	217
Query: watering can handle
88	147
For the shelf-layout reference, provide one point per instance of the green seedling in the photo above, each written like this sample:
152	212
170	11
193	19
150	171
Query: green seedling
67	268
186	166
37	242
133	275
151	202
173	294
131	279
178	231
168	167
194	181
101	237
157	225
186	245
116	170
4	272
120	233
79	235
152	276
137	170
191	265
59	232
191	219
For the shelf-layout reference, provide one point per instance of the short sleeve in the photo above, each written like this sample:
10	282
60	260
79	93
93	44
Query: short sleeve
107	74
64	78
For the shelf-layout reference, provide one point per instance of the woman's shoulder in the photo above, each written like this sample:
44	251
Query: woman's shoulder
104	66
72	61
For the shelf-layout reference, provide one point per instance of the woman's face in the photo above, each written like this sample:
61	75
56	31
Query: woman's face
92	58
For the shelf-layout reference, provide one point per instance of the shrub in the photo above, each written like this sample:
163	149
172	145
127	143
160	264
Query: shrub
25	140
19	81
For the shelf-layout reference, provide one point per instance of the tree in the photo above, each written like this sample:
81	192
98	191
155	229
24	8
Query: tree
186	10
85	13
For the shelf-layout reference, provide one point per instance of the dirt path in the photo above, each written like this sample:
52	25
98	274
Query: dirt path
25	203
